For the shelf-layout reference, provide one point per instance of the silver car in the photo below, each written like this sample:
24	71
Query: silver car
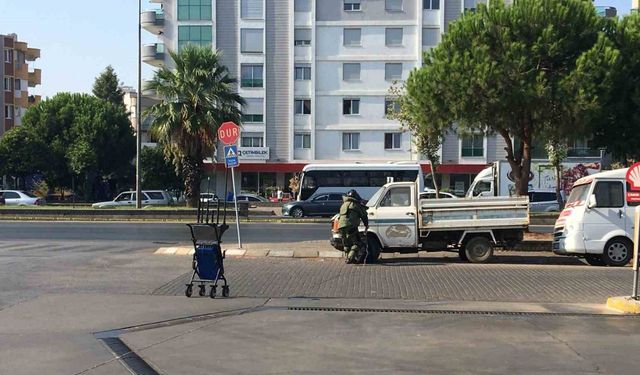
128	198
20	198
543	201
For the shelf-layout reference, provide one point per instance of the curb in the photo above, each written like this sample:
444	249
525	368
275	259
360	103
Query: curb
624	304
255	253
156	220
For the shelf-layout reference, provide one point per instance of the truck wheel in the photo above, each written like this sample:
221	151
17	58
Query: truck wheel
373	250
617	252
594	260
462	254
478	250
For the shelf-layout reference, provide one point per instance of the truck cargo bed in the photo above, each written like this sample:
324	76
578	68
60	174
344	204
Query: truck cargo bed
474	213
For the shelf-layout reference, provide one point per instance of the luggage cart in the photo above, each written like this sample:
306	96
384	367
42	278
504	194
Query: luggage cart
208	258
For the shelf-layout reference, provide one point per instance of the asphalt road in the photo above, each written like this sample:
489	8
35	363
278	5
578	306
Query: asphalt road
154	233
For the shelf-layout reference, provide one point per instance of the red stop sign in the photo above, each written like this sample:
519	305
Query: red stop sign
228	133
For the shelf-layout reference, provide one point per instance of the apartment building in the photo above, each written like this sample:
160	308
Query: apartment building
316	76
16	80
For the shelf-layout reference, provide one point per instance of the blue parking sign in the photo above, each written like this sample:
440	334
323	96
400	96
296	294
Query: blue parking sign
231	156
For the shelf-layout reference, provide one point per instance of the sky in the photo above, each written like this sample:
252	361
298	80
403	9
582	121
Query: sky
79	38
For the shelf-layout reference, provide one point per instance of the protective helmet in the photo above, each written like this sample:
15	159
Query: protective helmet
354	194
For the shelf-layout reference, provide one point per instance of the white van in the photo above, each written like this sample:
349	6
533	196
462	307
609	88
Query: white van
597	222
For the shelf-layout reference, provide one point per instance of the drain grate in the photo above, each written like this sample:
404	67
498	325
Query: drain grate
128	357
451	312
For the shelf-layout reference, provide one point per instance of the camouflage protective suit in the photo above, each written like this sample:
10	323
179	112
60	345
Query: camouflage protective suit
351	212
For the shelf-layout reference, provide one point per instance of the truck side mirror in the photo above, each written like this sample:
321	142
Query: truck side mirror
592	202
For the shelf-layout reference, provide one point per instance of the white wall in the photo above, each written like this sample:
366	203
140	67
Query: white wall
371	147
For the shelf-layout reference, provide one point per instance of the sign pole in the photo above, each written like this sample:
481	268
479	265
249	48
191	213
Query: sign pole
235	202
636	238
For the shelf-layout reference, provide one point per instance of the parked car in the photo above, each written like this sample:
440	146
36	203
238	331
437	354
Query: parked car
251	198
207	197
128	198
323	204
431	194
20	198
543	200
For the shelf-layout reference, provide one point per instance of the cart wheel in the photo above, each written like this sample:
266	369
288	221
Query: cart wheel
202	291
212	292
193	264
189	290
225	291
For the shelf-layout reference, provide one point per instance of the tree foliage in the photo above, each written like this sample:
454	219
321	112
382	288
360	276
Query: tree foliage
157	172
196	98
22	153
107	87
608	79
508	70
84	136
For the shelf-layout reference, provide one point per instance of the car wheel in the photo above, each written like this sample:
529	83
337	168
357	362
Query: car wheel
478	250
594	260
297	213
373	249
617	252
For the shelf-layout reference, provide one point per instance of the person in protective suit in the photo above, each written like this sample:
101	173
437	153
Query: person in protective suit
351	212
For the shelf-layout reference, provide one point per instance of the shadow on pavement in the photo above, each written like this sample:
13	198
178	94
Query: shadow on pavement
537	259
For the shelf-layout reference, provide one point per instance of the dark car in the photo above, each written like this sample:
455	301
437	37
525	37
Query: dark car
322	204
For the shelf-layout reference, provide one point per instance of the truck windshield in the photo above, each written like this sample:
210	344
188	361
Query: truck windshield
375	197
578	194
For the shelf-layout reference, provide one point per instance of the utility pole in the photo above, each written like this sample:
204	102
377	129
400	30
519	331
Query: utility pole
138	118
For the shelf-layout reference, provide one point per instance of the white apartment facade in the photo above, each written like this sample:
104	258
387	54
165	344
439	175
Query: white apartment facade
316	76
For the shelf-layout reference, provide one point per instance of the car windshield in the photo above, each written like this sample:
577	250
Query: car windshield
29	194
578	194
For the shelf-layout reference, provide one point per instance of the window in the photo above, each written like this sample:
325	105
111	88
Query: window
251	141
393	5
352	37
8	55
253	110
393	36
392	71
302	73
350	141
302	141
609	194
350	106
302	37
8	84
251	75
470	5
124	197
154	195
397	197
351	71
352	5
321	198
18	85
11	195
198	35
392	141
472	145
251	40
303	106
430	37
537	196
335	197
194	10
251	9
8	111
390	105
431	4
302	6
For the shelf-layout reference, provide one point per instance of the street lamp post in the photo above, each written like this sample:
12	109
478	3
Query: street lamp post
138	118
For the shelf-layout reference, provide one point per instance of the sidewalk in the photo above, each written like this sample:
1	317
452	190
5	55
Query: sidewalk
322	249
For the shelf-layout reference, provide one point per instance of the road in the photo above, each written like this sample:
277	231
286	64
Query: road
167	233
155	233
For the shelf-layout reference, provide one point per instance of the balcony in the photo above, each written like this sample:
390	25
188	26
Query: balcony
152	21
153	54
149	93
35	77
251	82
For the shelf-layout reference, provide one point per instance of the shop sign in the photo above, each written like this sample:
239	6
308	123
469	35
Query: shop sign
253	153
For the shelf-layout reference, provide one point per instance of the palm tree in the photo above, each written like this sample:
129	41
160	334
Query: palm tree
195	98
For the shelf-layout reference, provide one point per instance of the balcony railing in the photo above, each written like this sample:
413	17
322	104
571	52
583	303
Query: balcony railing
152	20
583	153
251	82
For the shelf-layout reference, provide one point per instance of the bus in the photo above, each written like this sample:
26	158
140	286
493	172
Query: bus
366	179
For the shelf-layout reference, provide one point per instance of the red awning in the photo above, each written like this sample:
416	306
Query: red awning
261	167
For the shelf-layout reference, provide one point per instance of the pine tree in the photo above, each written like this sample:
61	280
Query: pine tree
106	87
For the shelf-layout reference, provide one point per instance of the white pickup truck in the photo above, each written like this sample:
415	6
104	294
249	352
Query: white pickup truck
400	221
